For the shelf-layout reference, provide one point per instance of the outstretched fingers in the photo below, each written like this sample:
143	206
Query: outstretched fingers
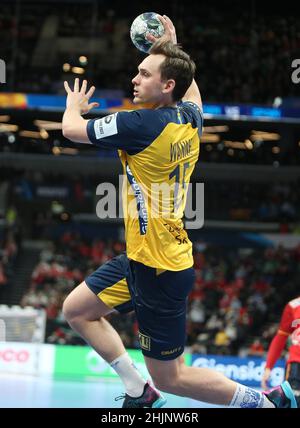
90	92
83	87
67	87
76	85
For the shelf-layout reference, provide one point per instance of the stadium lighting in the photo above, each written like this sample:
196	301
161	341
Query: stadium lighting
66	67
83	60
44	134
248	144
213	129
11	139
4	118
275	150
78	70
48	125
8	128
210	138
30	134
235	144
264	136
56	151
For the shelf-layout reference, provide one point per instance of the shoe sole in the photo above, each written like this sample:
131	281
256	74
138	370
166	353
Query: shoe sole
289	393
159	403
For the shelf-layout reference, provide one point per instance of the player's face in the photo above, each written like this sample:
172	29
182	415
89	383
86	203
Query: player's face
147	84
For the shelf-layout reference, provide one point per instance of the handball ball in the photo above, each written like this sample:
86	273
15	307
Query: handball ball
147	22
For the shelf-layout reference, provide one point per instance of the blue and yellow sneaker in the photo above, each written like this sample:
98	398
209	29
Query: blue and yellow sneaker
282	396
150	398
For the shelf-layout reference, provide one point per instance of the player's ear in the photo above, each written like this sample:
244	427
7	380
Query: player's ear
169	85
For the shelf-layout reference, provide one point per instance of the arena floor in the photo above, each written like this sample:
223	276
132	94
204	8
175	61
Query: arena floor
38	392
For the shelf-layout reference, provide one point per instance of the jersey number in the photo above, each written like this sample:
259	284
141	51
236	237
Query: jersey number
178	172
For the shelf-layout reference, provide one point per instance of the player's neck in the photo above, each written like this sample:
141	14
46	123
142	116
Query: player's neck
160	105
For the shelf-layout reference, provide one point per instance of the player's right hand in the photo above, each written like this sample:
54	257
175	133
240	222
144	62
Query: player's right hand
170	31
265	378
79	98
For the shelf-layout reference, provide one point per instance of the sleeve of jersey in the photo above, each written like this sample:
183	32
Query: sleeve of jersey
275	350
124	130
286	322
279	341
196	113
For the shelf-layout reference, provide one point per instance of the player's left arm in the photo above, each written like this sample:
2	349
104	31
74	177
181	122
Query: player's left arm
192	94
74	127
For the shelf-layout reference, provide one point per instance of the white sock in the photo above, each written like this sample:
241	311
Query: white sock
245	397
133	381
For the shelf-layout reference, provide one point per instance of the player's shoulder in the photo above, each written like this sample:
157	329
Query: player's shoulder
147	121
193	113
143	114
190	106
294	303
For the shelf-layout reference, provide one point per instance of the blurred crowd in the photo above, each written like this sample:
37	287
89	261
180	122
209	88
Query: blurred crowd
233	308
9	246
224	200
242	54
238	296
267	202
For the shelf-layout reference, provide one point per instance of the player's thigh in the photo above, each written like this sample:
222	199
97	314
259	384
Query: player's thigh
82	302
103	291
160	305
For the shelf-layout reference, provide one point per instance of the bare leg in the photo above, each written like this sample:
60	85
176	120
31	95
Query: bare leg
198	383
84	311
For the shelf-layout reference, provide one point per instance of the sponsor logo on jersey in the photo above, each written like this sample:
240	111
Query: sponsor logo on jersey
106	126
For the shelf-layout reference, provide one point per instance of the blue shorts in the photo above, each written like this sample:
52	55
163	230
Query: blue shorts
159	299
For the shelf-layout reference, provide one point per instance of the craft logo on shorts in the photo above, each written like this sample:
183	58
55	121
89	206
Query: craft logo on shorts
145	342
2	71
171	351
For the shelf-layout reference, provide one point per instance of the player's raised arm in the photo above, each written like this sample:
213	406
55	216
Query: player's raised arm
74	127
193	93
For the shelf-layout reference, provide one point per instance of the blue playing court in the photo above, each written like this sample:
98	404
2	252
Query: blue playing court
30	391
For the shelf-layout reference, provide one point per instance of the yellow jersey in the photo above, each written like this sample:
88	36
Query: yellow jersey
158	150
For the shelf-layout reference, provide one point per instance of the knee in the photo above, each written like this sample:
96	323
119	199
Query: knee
69	311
